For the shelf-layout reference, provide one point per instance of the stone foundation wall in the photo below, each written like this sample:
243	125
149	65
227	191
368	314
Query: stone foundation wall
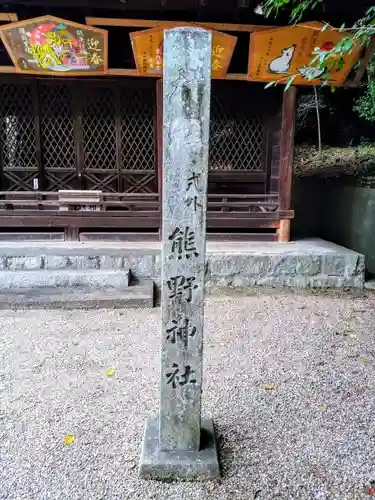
343	214
305	270
299	271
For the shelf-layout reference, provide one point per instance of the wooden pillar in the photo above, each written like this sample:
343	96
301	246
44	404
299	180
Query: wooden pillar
77	103
286	159
39	182
117	101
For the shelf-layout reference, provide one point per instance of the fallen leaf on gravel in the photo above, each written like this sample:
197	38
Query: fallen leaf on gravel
371	491
349	333
324	406
110	372
69	439
268	387
364	361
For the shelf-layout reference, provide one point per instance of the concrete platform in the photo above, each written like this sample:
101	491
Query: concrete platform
44	278
186	465
308	263
78	298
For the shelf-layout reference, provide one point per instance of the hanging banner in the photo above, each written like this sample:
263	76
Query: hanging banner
148	50
278	54
52	46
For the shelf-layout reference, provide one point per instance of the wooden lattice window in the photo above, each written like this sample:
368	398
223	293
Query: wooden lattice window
237	134
56	126
137	129
18	137
99	169
59	153
78	135
138	158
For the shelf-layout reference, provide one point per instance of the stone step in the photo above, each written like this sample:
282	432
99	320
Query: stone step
136	296
95	278
370	285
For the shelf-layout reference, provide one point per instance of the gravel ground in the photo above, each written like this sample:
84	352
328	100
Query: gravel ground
311	436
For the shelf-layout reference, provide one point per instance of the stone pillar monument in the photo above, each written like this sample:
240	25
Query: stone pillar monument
177	443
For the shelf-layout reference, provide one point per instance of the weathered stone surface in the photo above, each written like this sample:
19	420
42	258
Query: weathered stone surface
72	262
351	265
355	265
157	265
89	278
286	265
140	265
361	266
308	265
186	106
258	265
231	265
283	281
31	263
77	297
357	282
54	262
226	265
255	265
192	465
111	262
88	262
176	445
324	281
370	285
334	265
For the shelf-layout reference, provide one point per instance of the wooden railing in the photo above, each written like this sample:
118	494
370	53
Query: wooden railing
73	211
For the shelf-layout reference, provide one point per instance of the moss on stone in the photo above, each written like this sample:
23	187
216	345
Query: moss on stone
334	162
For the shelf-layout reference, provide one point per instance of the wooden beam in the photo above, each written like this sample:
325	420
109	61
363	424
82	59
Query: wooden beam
7	69
364	62
11	17
38	218
233	76
120	72
286	158
134	72
147	23
287	147
129	72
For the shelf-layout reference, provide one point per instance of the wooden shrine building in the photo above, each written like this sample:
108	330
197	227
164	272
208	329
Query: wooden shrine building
81	152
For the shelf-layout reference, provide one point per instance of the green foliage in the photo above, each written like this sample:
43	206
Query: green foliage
358	35
271	7
365	105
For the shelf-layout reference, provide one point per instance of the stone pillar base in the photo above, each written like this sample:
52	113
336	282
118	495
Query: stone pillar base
186	465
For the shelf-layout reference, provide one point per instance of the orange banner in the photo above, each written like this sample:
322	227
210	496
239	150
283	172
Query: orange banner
53	46
148	50
278	54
